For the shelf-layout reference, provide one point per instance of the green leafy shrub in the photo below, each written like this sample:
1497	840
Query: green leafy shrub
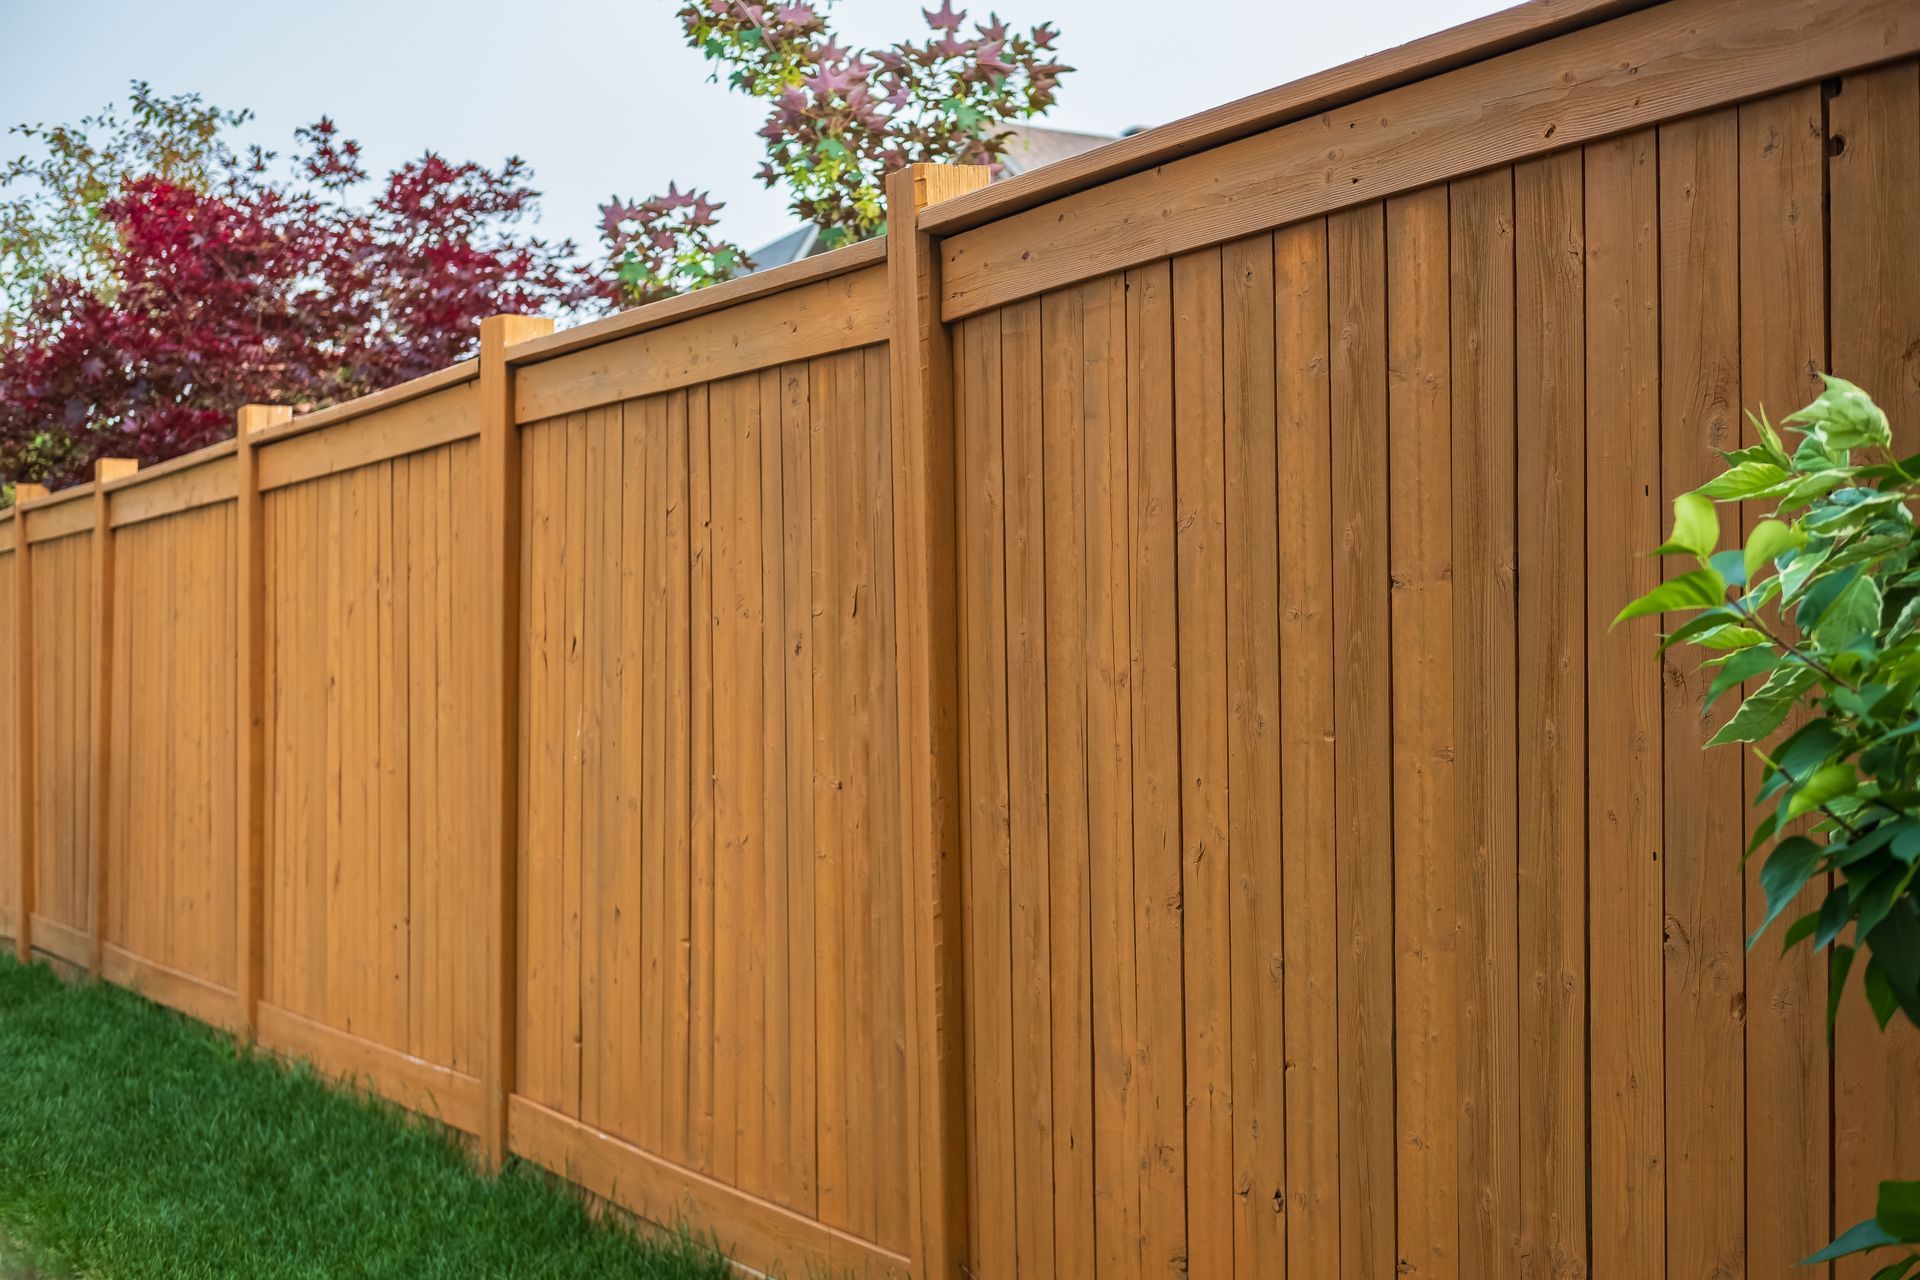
1820	611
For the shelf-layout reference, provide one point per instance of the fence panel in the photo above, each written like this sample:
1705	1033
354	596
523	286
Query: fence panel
1287	566
710	941
372	595
60	539
171	853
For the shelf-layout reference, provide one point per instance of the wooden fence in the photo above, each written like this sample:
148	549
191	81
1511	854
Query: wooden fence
1079	740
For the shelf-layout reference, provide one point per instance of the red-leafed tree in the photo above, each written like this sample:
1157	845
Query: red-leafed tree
218	283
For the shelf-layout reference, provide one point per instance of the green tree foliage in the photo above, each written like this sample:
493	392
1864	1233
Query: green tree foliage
1820	612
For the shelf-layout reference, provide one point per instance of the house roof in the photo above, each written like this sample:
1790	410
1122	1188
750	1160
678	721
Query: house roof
1028	148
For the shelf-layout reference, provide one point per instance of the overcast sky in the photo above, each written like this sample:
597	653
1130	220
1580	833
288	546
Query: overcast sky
602	96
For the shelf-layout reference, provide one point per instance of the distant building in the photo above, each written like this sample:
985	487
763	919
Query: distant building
1028	148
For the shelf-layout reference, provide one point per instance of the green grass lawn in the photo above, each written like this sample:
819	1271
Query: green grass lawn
135	1143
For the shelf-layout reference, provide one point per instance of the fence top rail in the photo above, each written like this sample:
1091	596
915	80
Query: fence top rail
685	306
172	466
425	385
1531	23
58	499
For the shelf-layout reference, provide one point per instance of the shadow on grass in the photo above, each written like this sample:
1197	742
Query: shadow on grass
136	1143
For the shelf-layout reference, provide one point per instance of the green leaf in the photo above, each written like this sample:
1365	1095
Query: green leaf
1729	636
1761	833
1786	872
1696	528
1854	613
1897	1270
1845	417
1745	665
1743	480
1837	983
1897	1210
1764	709
1698	625
1834	913
1701	589
1799	931
1768	539
1858	1238
1825	783
1879	994
1769	438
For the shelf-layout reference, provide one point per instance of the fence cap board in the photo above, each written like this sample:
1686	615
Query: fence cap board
59	498
185	462
425	385
761	284
1495	34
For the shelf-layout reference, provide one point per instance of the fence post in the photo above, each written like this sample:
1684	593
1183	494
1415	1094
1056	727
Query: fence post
104	469
925	571
27	762
250	689
500	480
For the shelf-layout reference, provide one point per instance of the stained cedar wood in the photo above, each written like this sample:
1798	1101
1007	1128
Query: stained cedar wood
1705	1029
1782	265
1625	855
1309	837
1511	28
1117	1086
797	649
58	615
1159	1067
1550	655
1030	946
1481	246
700	1026
978	360
1670	60
1420	553
246	556
1256	925
1207	857
1069	1103
1874	185
775	1048
1363	774
99	728
832	816
9	741
931	801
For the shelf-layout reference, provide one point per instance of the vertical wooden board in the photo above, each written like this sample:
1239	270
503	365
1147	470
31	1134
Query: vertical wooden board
1363	774
1030	938
1550	653
392	496
651	749
1206	854
774	1134
1064	555
739	736
1874	192
893	1203
979	426
542	743
797	647
700	1034
854	716
1624	745
1705	1025
1420	554
1159	1061
589	717
677	886
577	725
1309	945
319	551
1254	725
1481	251
223	851
1108	676
429	849
1782	159
626	784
